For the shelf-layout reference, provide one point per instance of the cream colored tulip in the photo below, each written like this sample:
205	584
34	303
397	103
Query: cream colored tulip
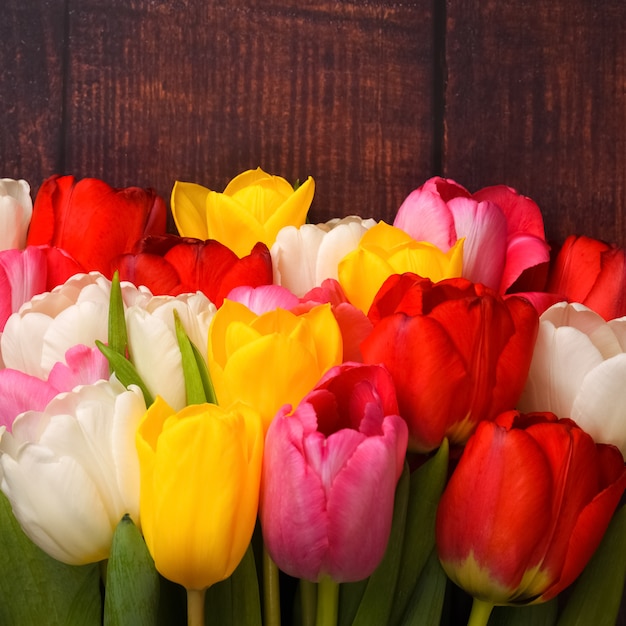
16	209
578	370
304	257
71	472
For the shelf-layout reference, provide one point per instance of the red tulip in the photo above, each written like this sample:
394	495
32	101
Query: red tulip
526	507
593	273
329	476
92	221
458	352
173	265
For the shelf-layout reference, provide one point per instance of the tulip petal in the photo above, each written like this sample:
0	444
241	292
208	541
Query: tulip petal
425	216
497	492
293	501
21	392
596	408
562	356
483	226
523	251
188	209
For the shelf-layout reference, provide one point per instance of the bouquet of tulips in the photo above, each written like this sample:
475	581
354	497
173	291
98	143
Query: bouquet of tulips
260	420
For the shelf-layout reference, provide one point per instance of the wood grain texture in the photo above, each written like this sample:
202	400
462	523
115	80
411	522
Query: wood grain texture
536	98
31	88
199	91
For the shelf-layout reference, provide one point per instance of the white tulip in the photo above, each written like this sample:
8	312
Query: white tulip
16	209
45	327
304	257
71	472
578	371
153	346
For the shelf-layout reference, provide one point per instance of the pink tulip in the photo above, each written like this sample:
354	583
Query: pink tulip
503	230
330	471
22	392
29	272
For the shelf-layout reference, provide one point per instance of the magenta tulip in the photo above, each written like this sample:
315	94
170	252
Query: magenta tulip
503	230
330	471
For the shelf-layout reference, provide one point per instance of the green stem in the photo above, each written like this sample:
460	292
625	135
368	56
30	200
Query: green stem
308	597
327	602
481	611
271	591
195	607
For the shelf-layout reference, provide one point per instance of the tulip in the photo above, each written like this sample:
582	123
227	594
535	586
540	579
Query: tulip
21	392
29	272
46	327
304	257
384	251
71	472
458	352
503	230
526	508
16	208
271	359
153	346
330	471
200	476
253	207
172	265
578	369
92	221
593	273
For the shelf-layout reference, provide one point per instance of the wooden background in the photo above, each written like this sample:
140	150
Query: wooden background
370	98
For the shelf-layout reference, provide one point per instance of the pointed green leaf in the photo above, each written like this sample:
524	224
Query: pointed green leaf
596	595
424	607
194	387
132	582
427	485
37	589
376	604
118	335
236	600
544	614
125	371
203	370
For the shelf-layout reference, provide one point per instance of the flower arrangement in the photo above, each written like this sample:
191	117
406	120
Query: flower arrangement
258	420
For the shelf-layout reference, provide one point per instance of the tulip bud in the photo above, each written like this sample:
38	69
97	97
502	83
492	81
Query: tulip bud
253	207
329	476
200	475
526	507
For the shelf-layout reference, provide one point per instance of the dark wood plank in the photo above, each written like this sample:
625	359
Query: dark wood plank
31	89
200	91
535	98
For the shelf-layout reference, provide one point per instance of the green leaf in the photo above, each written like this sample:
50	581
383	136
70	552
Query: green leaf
236	600
376	604
124	370
596	595
118	335
544	614
194	384
207	383
425	605
132	582
427	485
37	589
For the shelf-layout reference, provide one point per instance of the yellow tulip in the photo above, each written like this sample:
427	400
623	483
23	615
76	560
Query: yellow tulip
385	250
271	359
253	207
200	472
